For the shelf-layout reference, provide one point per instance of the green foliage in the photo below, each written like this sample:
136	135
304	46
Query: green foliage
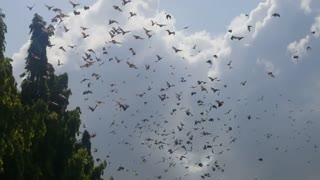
20	126
86	141
38	71
80	167
38	136
3	31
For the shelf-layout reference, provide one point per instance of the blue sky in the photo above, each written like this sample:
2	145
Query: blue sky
266	127
213	16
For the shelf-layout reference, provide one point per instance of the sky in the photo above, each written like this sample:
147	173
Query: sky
218	108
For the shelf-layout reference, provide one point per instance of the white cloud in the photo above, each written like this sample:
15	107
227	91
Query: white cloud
258	19
316	27
299	48
18	63
268	66
305	5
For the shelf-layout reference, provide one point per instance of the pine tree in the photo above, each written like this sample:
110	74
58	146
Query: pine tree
38	71
18	123
3	31
60	143
86	141
38	134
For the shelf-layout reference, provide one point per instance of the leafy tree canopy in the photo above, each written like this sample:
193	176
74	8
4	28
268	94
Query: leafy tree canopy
38	134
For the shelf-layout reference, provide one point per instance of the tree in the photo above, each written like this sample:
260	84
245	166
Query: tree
3	31
18	123
38	71
38	134
86	141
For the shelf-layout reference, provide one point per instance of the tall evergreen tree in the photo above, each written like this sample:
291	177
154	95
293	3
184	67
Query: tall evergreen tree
42	84
18	123
38	139
38	70
86	141
3	31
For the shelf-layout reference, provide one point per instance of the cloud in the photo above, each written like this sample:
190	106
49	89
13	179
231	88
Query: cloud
19	61
299	48
305	5
265	118
258	18
316	27
268	66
